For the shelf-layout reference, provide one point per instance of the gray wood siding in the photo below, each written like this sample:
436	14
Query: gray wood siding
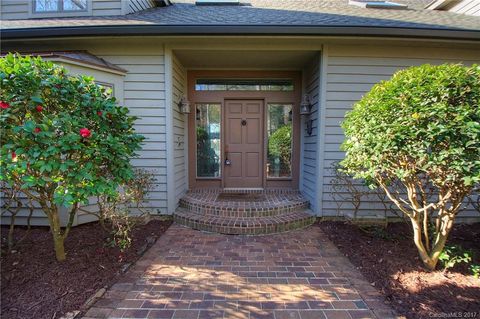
179	89
14	9
106	7
308	184
38	218
351	72
144	87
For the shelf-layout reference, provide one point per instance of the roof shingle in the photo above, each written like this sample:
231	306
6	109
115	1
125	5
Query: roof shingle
329	13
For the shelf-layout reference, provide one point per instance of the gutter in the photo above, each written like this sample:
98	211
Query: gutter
233	30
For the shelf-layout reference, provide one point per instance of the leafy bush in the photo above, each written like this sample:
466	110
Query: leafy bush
475	269
116	213
452	255
122	225
280	146
207	160
421	128
63	138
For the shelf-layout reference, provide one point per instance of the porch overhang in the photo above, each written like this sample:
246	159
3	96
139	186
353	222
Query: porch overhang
241	30
195	59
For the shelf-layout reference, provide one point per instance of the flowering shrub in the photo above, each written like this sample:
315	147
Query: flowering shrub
420	131
85	133
54	143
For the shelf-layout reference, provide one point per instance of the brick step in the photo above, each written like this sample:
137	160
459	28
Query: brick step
269	205
244	225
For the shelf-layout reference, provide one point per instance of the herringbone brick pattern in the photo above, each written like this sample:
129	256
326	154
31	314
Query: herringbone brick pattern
191	274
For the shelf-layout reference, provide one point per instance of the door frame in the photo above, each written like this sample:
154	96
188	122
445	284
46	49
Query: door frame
219	97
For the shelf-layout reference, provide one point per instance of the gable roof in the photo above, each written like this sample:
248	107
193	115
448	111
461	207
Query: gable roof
260	17
79	56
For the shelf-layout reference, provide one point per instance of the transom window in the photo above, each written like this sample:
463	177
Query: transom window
243	85
59	5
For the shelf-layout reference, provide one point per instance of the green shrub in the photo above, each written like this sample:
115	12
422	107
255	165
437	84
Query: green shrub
452	255
280	146
63	138
475	269
119	214
421	128
207	159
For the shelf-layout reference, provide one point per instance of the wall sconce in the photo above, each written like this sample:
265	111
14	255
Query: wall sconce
305	106
306	110
184	105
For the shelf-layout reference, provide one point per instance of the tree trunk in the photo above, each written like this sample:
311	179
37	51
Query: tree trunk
430	258
58	238
417	238
11	230
59	247
446	223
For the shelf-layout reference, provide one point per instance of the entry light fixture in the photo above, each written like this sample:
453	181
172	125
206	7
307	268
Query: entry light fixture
305	106
184	105
306	110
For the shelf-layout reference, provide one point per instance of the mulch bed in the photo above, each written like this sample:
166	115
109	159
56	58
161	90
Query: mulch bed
390	262
35	285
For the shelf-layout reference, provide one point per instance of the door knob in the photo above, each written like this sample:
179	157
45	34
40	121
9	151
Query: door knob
227	161
244	122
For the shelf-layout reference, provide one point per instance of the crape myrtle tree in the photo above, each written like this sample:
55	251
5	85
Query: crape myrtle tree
419	130
63	139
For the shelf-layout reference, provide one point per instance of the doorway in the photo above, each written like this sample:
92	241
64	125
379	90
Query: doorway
244	129
243	164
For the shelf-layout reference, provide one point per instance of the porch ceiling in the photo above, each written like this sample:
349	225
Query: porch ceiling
244	59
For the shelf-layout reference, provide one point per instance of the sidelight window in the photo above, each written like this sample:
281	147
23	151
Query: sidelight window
279	130
207	126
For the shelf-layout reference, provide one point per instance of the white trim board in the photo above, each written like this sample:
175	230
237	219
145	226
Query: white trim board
322	106
170	151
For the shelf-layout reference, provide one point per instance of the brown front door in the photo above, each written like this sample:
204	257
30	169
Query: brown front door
243	144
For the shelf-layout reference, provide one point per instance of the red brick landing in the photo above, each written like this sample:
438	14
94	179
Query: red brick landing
255	213
189	274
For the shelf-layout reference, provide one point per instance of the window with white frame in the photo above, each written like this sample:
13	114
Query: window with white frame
108	88
45	6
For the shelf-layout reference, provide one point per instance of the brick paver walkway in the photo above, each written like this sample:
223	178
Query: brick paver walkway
190	274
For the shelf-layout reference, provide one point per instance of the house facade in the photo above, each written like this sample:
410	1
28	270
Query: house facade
242	97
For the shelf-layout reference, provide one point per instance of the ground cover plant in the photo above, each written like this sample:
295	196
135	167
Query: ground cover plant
420	132
63	140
